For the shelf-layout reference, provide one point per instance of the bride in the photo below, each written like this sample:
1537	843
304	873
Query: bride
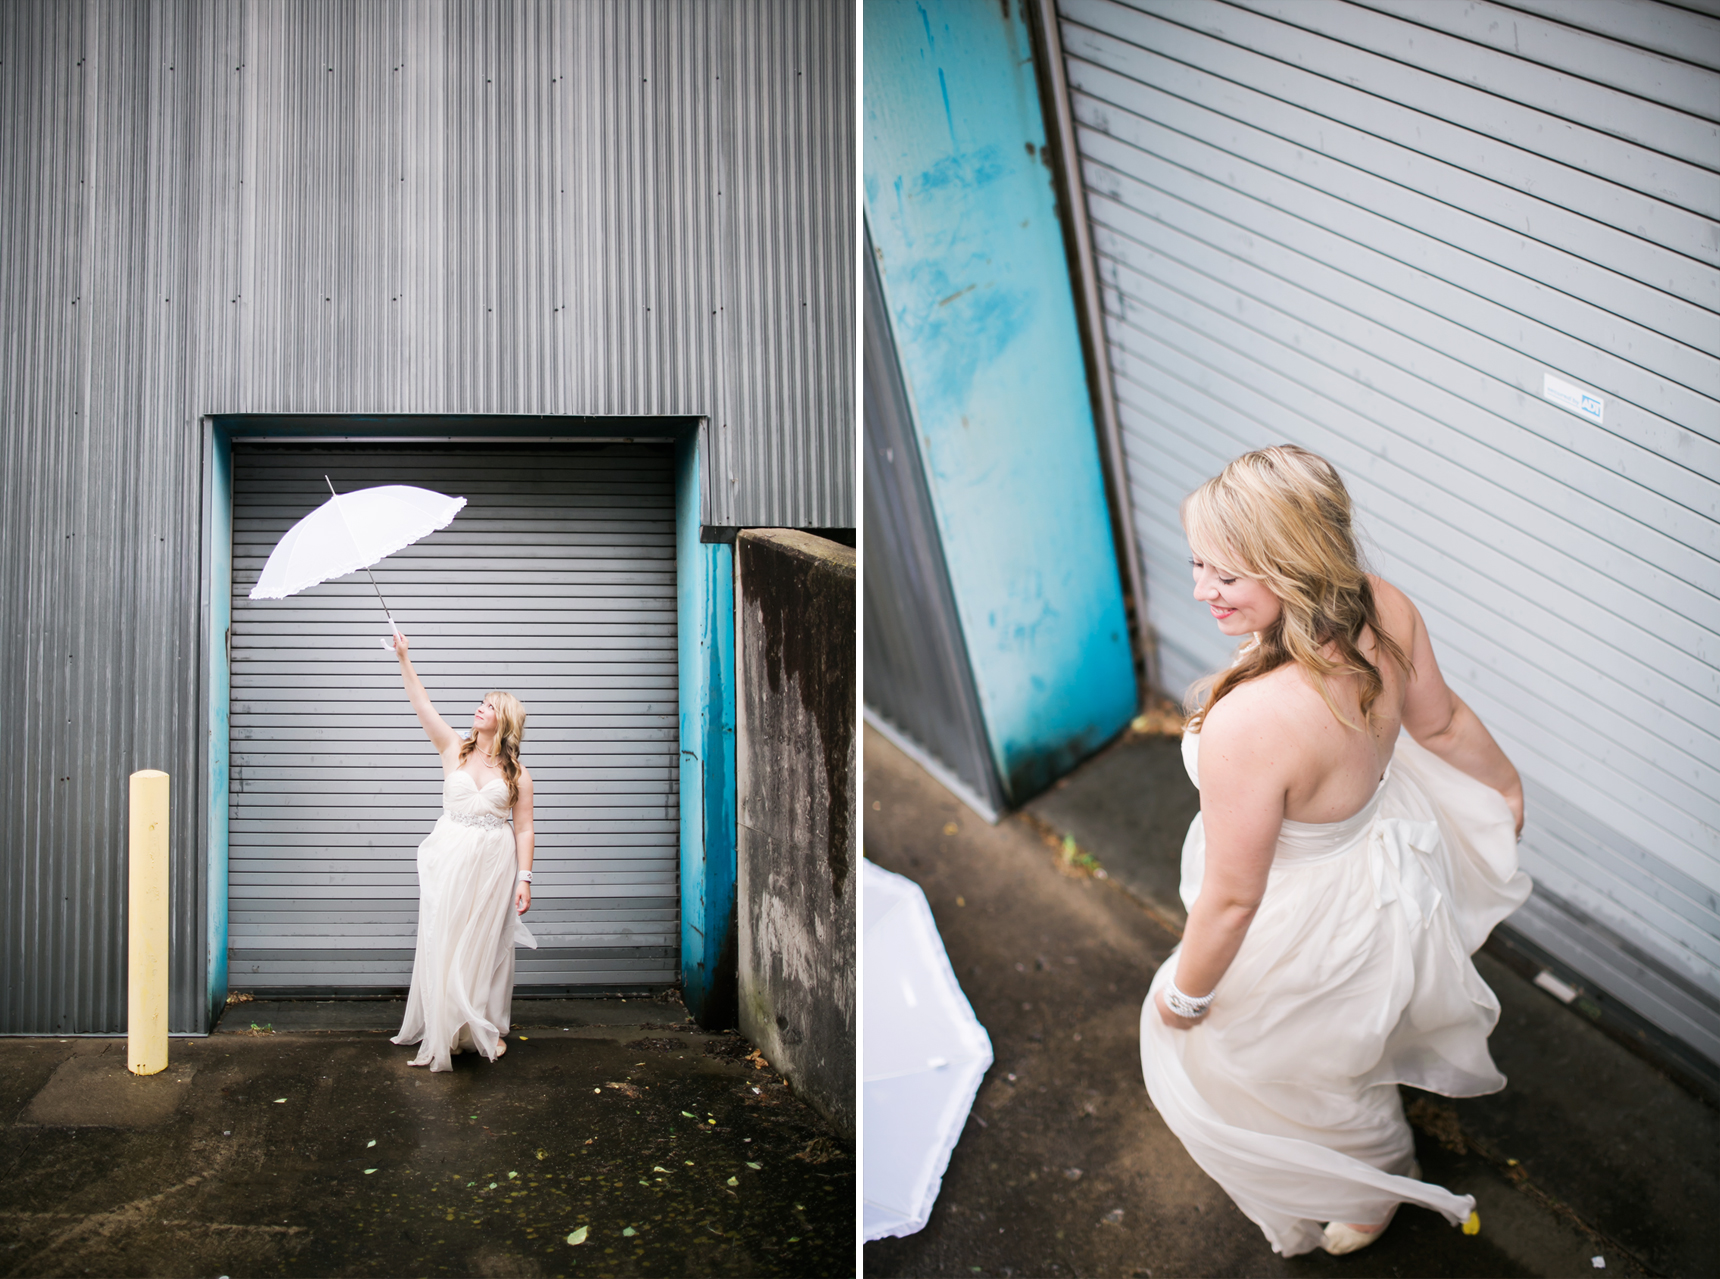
1338	878
470	872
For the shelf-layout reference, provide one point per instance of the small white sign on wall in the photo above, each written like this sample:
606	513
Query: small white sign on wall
1567	395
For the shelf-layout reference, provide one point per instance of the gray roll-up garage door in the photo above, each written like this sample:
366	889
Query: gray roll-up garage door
1467	251
557	583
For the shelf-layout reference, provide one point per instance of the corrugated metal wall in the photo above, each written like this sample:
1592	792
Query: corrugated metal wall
400	206
557	583
1374	229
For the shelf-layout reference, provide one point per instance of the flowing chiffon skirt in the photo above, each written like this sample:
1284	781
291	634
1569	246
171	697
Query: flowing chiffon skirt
1355	976
463	968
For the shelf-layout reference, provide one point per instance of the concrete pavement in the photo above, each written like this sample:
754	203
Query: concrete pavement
309	1147
1064	1168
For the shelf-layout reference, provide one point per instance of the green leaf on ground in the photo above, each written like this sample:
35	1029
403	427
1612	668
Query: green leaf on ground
628	1233
577	1237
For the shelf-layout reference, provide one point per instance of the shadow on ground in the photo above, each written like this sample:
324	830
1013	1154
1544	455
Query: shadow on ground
309	1147
1065	1169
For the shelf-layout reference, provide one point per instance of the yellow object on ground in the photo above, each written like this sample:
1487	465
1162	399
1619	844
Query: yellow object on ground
146	1004
1473	1225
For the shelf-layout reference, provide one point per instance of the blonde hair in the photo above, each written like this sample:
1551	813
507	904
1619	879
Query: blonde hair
510	730
1282	517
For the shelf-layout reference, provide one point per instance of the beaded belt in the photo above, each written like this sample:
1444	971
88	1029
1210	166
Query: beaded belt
484	821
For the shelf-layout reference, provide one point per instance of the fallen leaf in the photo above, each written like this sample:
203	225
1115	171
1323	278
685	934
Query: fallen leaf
577	1237
689	1114
710	1121
522	1038
492	1185
628	1232
1473	1225
543	1154
512	1175
368	1171
370	1143
734	1181
753	1166
280	1101
599	1092
688	1162
950	828
656	1169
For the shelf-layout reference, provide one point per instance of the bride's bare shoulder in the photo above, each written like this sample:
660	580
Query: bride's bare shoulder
1251	709
1397	613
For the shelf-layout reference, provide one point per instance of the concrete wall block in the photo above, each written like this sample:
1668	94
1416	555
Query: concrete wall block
797	855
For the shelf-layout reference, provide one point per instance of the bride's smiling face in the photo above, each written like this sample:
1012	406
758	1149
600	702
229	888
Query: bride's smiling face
484	718
1240	605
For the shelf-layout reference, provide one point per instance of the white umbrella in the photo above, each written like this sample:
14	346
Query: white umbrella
352	531
925	1054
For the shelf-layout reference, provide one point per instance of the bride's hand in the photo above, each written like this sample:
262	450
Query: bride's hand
1167	1016
400	645
522	897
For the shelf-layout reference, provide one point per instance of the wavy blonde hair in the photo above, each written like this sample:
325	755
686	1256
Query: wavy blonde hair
510	731
1282	517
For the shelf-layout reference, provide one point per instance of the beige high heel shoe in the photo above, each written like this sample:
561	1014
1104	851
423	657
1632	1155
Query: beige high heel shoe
1341	1238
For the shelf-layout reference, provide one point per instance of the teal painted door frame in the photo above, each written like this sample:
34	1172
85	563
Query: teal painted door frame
704	592
962	210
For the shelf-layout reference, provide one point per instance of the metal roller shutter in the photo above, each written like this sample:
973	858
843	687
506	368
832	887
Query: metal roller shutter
557	583
1377	229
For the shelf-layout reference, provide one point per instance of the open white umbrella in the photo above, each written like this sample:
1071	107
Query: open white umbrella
352	531
925	1054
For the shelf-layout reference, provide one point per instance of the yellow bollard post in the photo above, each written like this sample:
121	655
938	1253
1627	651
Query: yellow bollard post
146	1005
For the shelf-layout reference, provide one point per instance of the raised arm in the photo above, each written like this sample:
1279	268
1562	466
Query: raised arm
525	842
441	736
1438	718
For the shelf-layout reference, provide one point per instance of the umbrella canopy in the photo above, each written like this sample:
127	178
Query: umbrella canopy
925	1054
351	531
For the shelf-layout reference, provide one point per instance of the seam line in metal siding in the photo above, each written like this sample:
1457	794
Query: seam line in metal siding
1072	193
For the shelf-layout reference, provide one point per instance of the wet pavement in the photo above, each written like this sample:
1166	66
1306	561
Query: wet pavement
1064	1168
613	1138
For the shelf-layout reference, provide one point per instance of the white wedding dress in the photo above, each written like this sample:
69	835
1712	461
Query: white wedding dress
463	970
1355	976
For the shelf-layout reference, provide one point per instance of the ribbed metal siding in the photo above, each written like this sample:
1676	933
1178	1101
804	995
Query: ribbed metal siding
788	336
384	207
1372	229
557	583
918	680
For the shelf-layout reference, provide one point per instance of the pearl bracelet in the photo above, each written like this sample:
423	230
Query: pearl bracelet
1186	1005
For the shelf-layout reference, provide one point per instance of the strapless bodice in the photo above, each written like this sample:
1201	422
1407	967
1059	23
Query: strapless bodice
464	796
1305	841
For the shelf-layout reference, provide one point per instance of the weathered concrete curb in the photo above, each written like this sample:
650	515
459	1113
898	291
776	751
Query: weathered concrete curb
796	759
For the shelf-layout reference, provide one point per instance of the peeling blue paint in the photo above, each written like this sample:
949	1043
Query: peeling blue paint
976	281
705	652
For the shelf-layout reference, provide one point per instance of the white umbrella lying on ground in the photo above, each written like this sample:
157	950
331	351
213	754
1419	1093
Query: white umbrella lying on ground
352	531
925	1054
